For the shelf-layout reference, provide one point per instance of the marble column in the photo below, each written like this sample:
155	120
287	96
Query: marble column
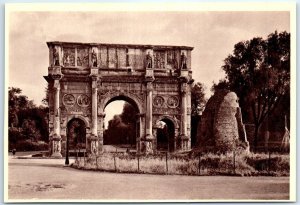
101	117
189	110
94	138
56	138
149	110
140	121
94	107
184	136
149	134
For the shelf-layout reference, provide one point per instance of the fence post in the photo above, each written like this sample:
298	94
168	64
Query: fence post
234	161
166	162
199	166
84	158
269	163
138	159
79	156
115	163
76	154
96	161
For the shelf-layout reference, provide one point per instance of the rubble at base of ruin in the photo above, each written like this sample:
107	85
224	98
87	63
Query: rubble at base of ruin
221	128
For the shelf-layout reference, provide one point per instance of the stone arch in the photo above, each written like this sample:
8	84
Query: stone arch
135	101
165	139
69	118
121	96
168	117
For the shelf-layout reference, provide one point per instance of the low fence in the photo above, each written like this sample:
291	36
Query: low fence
194	164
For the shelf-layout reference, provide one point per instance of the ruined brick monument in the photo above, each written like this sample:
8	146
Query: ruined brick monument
221	127
83	78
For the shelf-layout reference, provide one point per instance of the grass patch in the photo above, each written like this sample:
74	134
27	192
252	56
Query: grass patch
239	164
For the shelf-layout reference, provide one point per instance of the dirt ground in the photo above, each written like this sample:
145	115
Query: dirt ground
49	179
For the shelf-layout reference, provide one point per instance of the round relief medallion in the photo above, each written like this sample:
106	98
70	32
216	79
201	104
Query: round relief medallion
83	100
158	101
68	100
173	101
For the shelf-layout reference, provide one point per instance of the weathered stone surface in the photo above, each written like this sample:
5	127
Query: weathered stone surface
221	127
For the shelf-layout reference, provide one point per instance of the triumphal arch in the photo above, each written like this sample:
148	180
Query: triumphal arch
85	77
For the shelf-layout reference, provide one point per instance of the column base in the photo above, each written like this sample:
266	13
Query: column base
94	147
56	146
184	142
147	143
149	147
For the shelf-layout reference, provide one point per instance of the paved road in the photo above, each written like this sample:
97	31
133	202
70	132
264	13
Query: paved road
45	179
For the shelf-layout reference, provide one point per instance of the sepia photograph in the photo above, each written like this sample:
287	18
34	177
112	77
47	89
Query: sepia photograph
148	102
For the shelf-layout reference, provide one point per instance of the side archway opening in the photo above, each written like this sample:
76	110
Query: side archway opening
76	135
165	135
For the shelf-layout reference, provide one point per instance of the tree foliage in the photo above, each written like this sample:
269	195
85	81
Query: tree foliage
258	70
122	128
198	100
26	120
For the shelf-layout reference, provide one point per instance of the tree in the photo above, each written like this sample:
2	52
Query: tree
30	131
198	102
16	102
26	121
122	128
259	72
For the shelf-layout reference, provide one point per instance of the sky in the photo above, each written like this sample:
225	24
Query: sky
212	34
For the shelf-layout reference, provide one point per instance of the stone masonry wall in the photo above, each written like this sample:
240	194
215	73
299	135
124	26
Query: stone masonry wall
221	127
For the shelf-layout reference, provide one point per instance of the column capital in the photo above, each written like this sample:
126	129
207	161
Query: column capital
149	86
184	88
94	90
56	84
101	114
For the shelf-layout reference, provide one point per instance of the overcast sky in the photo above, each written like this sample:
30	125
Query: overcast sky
212	34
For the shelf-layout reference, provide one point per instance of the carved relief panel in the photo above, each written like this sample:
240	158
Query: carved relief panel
172	62
112	58
122	57
103	57
69	56
82	57
76	103
139	59
76	98
159	59
166	104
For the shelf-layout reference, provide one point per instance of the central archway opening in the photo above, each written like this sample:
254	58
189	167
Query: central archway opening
165	135
76	135
121	125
